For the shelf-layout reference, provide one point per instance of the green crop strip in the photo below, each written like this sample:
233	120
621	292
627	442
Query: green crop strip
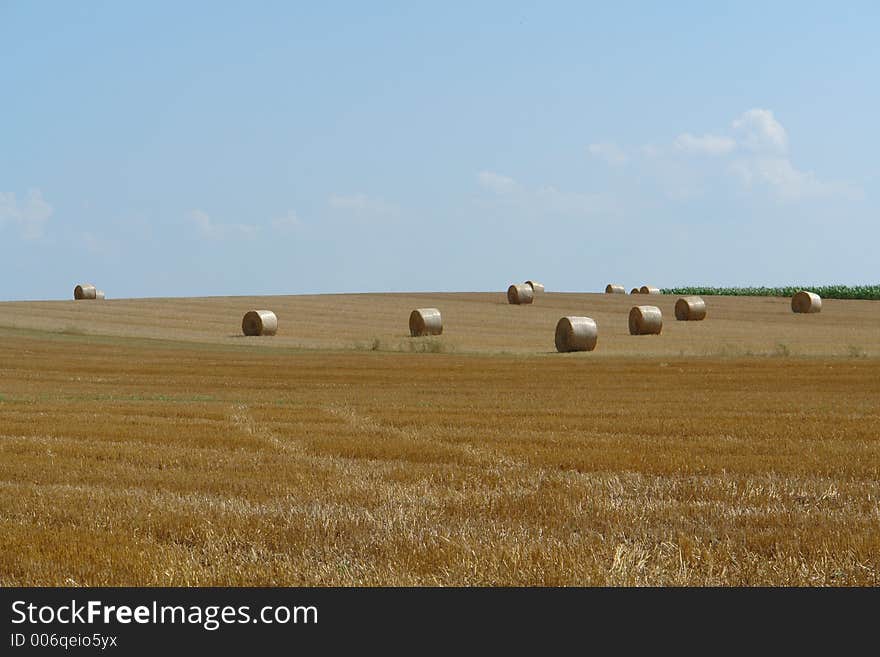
824	291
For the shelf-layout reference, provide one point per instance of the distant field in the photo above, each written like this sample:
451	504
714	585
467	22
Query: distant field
871	292
143	442
475	323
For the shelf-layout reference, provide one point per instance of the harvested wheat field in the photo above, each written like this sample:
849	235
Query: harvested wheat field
147	442
473	323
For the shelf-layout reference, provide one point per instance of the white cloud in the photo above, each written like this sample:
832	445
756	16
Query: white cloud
760	146
769	164
30	214
761	131
608	151
201	219
496	182
361	204
705	145
788	183
210	230
290	221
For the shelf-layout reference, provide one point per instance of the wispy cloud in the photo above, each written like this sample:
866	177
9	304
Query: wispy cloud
361	204
571	203
768	163
288	222
755	157
609	152
651	151
100	245
788	183
30	214
705	145
496	182
760	131
210	230
542	200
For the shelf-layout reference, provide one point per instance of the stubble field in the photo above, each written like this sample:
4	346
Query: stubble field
143	443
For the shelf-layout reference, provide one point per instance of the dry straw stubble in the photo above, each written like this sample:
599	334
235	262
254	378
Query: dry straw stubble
576	334
520	294
806	302
645	320
425	321
690	308
259	322
258	475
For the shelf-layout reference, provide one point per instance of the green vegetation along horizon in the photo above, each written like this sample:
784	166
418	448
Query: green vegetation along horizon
870	292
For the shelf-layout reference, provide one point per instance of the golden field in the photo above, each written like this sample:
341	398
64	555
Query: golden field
474	323
144	442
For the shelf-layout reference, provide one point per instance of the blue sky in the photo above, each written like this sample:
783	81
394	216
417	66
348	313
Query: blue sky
177	149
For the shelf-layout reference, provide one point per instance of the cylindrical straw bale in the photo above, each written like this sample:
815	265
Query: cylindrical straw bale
99	295
645	320
649	289
259	322
85	291
806	302
519	294
612	288
425	321
576	334
635	290
690	309
536	286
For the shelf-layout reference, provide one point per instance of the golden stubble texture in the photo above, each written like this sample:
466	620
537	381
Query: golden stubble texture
133	461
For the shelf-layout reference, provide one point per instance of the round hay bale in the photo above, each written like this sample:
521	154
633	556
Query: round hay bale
576	334
648	289
645	320
85	291
806	302
611	288
690	309
536	286
425	321
635	290
519	294
99	295
259	322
